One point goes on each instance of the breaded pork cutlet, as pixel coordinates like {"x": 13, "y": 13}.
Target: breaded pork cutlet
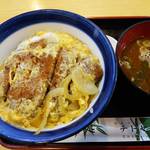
{"x": 29, "y": 82}
{"x": 4, "y": 82}
{"x": 65, "y": 61}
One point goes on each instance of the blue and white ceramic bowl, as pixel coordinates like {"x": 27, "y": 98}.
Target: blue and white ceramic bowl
{"x": 15, "y": 30}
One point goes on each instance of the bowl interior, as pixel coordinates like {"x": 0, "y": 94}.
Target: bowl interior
{"x": 11, "y": 42}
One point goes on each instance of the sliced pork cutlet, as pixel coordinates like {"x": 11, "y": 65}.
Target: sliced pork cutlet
{"x": 4, "y": 82}
{"x": 90, "y": 66}
{"x": 30, "y": 81}
{"x": 65, "y": 61}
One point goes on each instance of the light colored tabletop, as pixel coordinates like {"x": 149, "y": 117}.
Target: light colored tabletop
{"x": 3, "y": 148}
{"x": 87, "y": 8}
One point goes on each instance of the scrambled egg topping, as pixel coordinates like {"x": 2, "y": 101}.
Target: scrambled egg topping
{"x": 47, "y": 81}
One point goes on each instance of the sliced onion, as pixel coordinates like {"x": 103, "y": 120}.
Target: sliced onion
{"x": 83, "y": 82}
{"x": 65, "y": 84}
{"x": 48, "y": 106}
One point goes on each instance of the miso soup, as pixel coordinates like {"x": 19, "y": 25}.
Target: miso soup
{"x": 135, "y": 63}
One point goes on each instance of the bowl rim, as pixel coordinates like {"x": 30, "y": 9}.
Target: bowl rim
{"x": 117, "y": 56}
{"x": 105, "y": 94}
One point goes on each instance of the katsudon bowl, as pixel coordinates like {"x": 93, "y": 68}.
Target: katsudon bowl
{"x": 23, "y": 26}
